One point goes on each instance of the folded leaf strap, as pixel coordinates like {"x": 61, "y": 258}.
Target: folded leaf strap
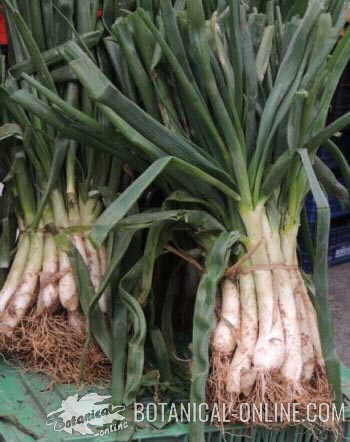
{"x": 50, "y": 228}
{"x": 215, "y": 265}
{"x": 136, "y": 317}
{"x": 268, "y": 267}
{"x": 238, "y": 269}
{"x": 184, "y": 256}
{"x": 234, "y": 271}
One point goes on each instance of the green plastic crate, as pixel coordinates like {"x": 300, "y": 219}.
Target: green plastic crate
{"x": 24, "y": 399}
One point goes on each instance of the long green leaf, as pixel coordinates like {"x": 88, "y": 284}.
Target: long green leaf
{"x": 216, "y": 263}
{"x": 341, "y": 161}
{"x": 103, "y": 91}
{"x": 193, "y": 99}
{"x": 277, "y": 173}
{"x": 162, "y": 355}
{"x": 286, "y": 84}
{"x": 116, "y": 145}
{"x": 330, "y": 183}
{"x": 52, "y": 56}
{"x": 97, "y": 326}
{"x": 335, "y": 67}
{"x": 236, "y": 51}
{"x": 140, "y": 76}
{"x": 32, "y": 46}
{"x": 320, "y": 277}
{"x": 181, "y": 366}
{"x": 119, "y": 320}
{"x": 37, "y": 24}
{"x": 135, "y": 361}
{"x": 116, "y": 211}
{"x": 264, "y": 53}
{"x": 199, "y": 219}
{"x": 320, "y": 138}
{"x": 175, "y": 42}
{"x": 60, "y": 152}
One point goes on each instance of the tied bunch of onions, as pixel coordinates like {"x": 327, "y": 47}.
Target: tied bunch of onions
{"x": 55, "y": 183}
{"x": 267, "y": 324}
{"x": 41, "y": 274}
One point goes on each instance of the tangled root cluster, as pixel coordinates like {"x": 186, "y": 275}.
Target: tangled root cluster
{"x": 272, "y": 395}
{"x": 48, "y": 345}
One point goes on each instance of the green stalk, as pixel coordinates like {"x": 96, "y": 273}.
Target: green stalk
{"x": 24, "y": 188}
{"x": 31, "y": 45}
{"x": 59, "y": 209}
{"x": 70, "y": 172}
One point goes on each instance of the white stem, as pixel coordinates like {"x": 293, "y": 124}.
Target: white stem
{"x": 104, "y": 301}
{"x": 227, "y": 330}
{"x": 48, "y": 296}
{"x": 309, "y": 328}
{"x": 75, "y": 220}
{"x": 270, "y": 348}
{"x": 79, "y": 243}
{"x": 313, "y": 323}
{"x": 308, "y": 353}
{"x": 66, "y": 287}
{"x": 93, "y": 264}
{"x": 14, "y": 277}
{"x": 242, "y": 375}
{"x": 26, "y": 293}
{"x": 293, "y": 364}
{"x": 87, "y": 210}
{"x": 59, "y": 209}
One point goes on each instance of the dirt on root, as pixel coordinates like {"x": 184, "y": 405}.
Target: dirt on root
{"x": 49, "y": 345}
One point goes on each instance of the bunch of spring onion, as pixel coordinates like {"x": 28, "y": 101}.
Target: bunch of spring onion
{"x": 69, "y": 189}
{"x": 56, "y": 183}
{"x": 236, "y": 109}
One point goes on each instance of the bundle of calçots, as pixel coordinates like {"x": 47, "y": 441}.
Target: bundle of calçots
{"x": 60, "y": 171}
{"x": 235, "y": 110}
{"x": 58, "y": 185}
